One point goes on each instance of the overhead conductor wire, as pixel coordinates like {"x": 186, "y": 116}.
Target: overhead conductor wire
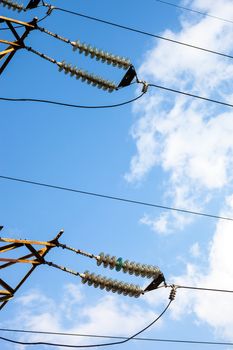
{"x": 162, "y": 340}
{"x": 65, "y": 104}
{"x": 120, "y": 199}
{"x": 206, "y": 14}
{"x": 141, "y": 32}
{"x": 92, "y": 345}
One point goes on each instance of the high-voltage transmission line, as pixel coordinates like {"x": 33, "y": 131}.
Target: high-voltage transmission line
{"x": 37, "y": 257}
{"x": 73, "y": 71}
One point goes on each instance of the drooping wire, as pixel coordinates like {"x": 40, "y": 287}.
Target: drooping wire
{"x": 64, "y": 104}
{"x": 143, "y": 32}
{"x": 92, "y": 345}
{"x": 163, "y": 340}
{"x": 195, "y": 11}
{"x": 120, "y": 199}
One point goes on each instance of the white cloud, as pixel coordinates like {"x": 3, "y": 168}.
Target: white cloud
{"x": 195, "y": 250}
{"x": 212, "y": 308}
{"x": 160, "y": 225}
{"x": 190, "y": 140}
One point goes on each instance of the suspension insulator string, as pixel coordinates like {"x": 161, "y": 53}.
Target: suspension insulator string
{"x": 109, "y": 284}
{"x": 78, "y": 73}
{"x": 12, "y": 5}
{"x": 127, "y": 266}
{"x": 92, "y": 52}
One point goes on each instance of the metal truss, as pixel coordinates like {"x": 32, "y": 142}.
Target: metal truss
{"x": 17, "y": 44}
{"x": 34, "y": 258}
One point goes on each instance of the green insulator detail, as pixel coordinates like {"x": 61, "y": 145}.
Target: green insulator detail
{"x": 119, "y": 264}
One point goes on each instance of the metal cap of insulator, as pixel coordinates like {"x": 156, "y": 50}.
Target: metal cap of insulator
{"x": 109, "y": 284}
{"x": 12, "y": 5}
{"x": 104, "y": 56}
{"x": 86, "y": 77}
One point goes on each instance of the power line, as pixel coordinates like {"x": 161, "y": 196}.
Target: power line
{"x": 195, "y": 11}
{"x": 182, "y": 341}
{"x": 125, "y": 340}
{"x": 191, "y": 95}
{"x": 206, "y": 289}
{"x": 120, "y": 199}
{"x": 143, "y": 32}
{"x": 64, "y": 104}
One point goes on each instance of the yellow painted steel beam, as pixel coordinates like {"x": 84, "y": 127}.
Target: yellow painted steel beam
{"x": 12, "y": 20}
{"x": 27, "y": 241}
{"x": 8, "y": 247}
{"x": 41, "y": 252}
{"x": 24, "y": 261}
{"x": 5, "y": 299}
{"x": 5, "y": 292}
{"x": 5, "y": 52}
{"x": 12, "y": 43}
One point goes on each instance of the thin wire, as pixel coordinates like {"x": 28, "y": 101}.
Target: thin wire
{"x": 91, "y": 345}
{"x": 64, "y": 104}
{"x": 206, "y": 289}
{"x": 121, "y": 199}
{"x": 195, "y": 11}
{"x": 192, "y": 95}
{"x": 143, "y": 32}
{"x": 182, "y": 341}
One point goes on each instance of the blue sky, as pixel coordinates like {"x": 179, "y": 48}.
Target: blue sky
{"x": 164, "y": 149}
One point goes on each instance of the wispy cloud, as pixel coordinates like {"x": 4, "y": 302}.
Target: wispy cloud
{"x": 191, "y": 141}
{"x": 215, "y": 309}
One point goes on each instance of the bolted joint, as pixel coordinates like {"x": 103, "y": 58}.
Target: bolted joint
{"x": 50, "y": 9}
{"x": 173, "y": 292}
